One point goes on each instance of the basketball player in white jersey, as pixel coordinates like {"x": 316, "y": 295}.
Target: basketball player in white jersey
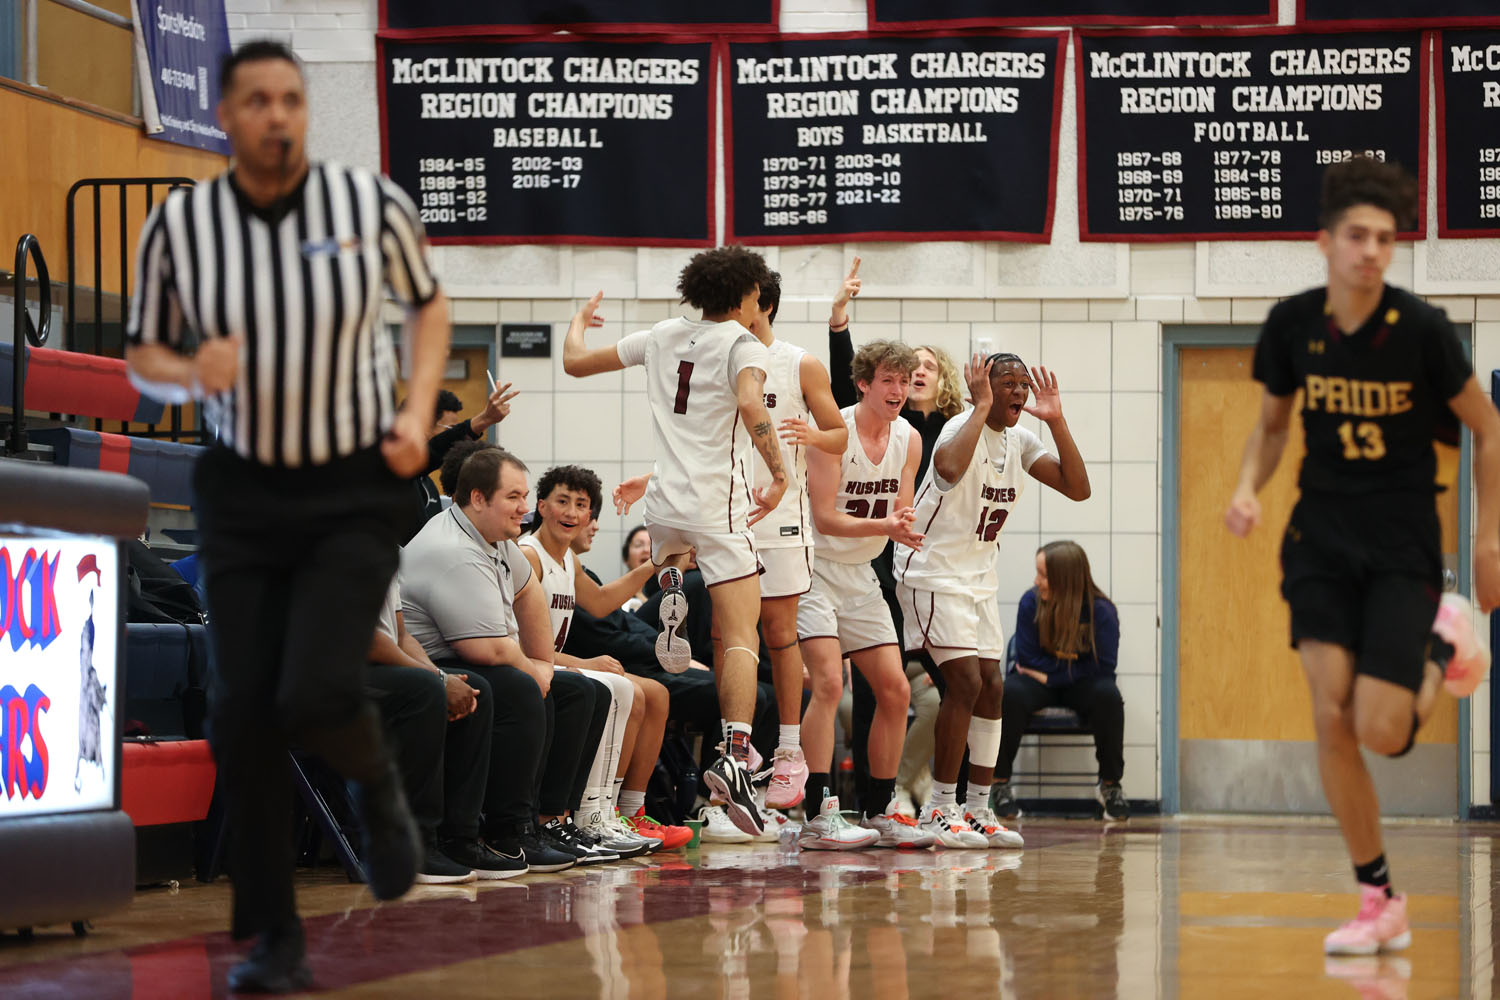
{"x": 947, "y": 588}
{"x": 566, "y": 498}
{"x": 859, "y": 499}
{"x": 705, "y": 381}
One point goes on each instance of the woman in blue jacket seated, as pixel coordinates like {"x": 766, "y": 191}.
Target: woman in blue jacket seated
{"x": 1067, "y": 643}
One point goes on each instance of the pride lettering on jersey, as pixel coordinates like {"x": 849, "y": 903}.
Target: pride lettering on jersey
{"x": 1336, "y": 394}
{"x": 855, "y": 487}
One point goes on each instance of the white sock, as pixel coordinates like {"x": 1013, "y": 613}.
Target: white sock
{"x": 984, "y": 742}
{"x": 614, "y": 791}
{"x": 944, "y": 795}
{"x": 790, "y": 738}
{"x": 979, "y": 797}
{"x": 631, "y": 802}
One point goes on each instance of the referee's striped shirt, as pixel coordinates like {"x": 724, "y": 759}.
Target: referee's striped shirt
{"x": 303, "y": 289}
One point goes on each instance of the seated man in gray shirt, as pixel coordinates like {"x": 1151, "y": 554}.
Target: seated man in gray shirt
{"x": 468, "y": 599}
{"x": 440, "y": 724}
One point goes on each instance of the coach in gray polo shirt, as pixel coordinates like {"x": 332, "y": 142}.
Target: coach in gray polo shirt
{"x": 468, "y": 597}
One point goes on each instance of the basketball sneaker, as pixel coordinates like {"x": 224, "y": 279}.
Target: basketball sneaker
{"x": 671, "y": 837}
{"x": 672, "y": 650}
{"x": 995, "y": 833}
{"x": 897, "y": 829}
{"x": 1112, "y": 801}
{"x": 949, "y": 829}
{"x": 718, "y": 830}
{"x": 1457, "y": 648}
{"x": 788, "y": 778}
{"x": 1380, "y": 925}
{"x": 830, "y": 831}
{"x": 597, "y": 830}
{"x": 776, "y": 821}
{"x": 731, "y": 780}
{"x": 1003, "y": 801}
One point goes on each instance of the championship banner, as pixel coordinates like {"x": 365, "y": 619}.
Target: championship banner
{"x": 859, "y": 137}
{"x": 180, "y": 45}
{"x": 915, "y": 15}
{"x": 554, "y": 139}
{"x": 1223, "y": 135}
{"x": 59, "y": 636}
{"x": 431, "y": 18}
{"x": 1397, "y": 13}
{"x": 1468, "y": 108}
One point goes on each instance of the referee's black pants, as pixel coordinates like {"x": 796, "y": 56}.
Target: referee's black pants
{"x": 296, "y": 566}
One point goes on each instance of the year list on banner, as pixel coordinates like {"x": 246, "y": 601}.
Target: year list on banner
{"x": 1225, "y": 135}
{"x": 834, "y": 137}
{"x": 552, "y": 140}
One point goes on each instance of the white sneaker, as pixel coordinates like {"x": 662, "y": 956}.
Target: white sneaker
{"x": 897, "y": 829}
{"x": 950, "y": 829}
{"x": 776, "y": 821}
{"x": 614, "y": 834}
{"x": 672, "y": 650}
{"x": 717, "y": 829}
{"x": 995, "y": 833}
{"x": 903, "y": 803}
{"x": 830, "y": 831}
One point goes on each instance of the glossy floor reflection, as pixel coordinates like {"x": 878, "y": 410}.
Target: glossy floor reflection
{"x": 1220, "y": 908}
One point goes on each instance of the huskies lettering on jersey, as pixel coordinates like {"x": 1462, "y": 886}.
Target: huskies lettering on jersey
{"x": 857, "y": 488}
{"x": 998, "y": 494}
{"x": 770, "y": 398}
{"x": 562, "y": 602}
{"x": 1336, "y": 394}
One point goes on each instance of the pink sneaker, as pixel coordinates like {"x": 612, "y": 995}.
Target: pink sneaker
{"x": 788, "y": 778}
{"x": 1471, "y": 657}
{"x": 1380, "y": 925}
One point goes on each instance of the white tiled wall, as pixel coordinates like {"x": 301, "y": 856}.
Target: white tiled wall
{"x": 1094, "y": 311}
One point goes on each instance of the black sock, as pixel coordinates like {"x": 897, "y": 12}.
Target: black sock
{"x": 817, "y": 788}
{"x": 1375, "y": 873}
{"x": 878, "y": 796}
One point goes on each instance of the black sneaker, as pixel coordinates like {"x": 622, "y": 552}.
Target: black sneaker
{"x": 392, "y": 845}
{"x": 277, "y": 963}
{"x": 730, "y": 780}
{"x": 1112, "y": 799}
{"x": 486, "y": 862}
{"x": 1003, "y": 801}
{"x": 559, "y": 835}
{"x": 540, "y": 855}
{"x": 439, "y": 869}
{"x": 672, "y": 651}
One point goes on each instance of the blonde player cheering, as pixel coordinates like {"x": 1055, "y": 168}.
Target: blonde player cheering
{"x": 705, "y": 385}
{"x": 859, "y": 499}
{"x": 947, "y": 587}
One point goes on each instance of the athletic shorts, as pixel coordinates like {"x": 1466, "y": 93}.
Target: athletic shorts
{"x": 1365, "y": 573}
{"x": 721, "y": 557}
{"x": 949, "y": 626}
{"x": 845, "y": 603}
{"x": 785, "y": 572}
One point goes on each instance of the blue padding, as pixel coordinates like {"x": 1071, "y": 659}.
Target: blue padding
{"x": 148, "y": 411}
{"x": 187, "y": 568}
{"x": 7, "y": 373}
{"x": 62, "y": 440}
{"x": 167, "y": 467}
{"x": 162, "y": 664}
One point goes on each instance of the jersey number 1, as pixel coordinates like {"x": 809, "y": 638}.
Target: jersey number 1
{"x": 684, "y": 373}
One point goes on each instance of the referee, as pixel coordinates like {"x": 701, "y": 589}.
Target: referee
{"x": 274, "y": 270}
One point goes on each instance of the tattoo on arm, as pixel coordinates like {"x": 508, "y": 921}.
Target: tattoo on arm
{"x": 770, "y": 450}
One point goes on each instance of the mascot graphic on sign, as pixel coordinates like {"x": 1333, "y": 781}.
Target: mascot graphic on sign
{"x": 91, "y": 697}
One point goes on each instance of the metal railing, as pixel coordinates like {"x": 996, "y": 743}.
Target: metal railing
{"x": 26, "y": 330}
{"x": 124, "y": 248}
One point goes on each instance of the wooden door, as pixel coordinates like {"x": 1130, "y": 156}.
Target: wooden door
{"x": 1245, "y": 717}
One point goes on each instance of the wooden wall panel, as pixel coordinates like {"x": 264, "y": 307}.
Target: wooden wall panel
{"x": 1238, "y": 677}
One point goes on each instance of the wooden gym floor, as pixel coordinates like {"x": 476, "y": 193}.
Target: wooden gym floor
{"x": 1219, "y": 908}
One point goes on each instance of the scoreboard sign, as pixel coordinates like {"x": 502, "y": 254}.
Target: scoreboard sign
{"x": 1468, "y": 102}
{"x": 858, "y": 137}
{"x": 418, "y": 18}
{"x": 904, "y": 15}
{"x": 1225, "y": 135}
{"x": 1397, "y": 13}
{"x": 552, "y": 140}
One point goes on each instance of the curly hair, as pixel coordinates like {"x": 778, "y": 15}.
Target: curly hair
{"x": 869, "y": 358}
{"x": 950, "y": 389}
{"x": 1364, "y": 180}
{"x": 717, "y": 281}
{"x": 770, "y": 294}
{"x": 571, "y": 477}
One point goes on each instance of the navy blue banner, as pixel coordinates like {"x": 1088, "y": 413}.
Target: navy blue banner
{"x": 185, "y": 41}
{"x": 431, "y": 18}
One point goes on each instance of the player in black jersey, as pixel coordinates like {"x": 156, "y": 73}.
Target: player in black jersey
{"x": 1381, "y": 374}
